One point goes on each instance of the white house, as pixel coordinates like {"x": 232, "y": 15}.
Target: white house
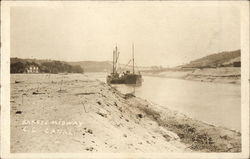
{"x": 32, "y": 69}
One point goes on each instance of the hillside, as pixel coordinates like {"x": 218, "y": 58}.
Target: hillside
{"x": 87, "y": 66}
{"x": 106, "y": 66}
{"x": 224, "y": 67}
{"x": 222, "y": 59}
{"x": 94, "y": 66}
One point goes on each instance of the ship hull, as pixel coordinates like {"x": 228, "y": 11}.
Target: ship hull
{"x": 133, "y": 79}
{"x": 126, "y": 79}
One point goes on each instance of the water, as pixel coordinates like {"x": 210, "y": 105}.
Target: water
{"x": 214, "y": 103}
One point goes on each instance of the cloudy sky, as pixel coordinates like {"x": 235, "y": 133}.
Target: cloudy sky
{"x": 163, "y": 33}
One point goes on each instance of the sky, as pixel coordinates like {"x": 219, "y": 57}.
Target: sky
{"x": 163, "y": 33}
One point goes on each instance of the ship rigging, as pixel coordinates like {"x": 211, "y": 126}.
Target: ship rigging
{"x": 127, "y": 77}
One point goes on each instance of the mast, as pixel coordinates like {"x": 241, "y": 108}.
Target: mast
{"x": 133, "y": 58}
{"x": 115, "y": 58}
{"x": 113, "y": 62}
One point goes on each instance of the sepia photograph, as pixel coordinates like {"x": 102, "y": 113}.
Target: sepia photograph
{"x": 125, "y": 77}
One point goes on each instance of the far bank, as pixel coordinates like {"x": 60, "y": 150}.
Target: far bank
{"x": 217, "y": 75}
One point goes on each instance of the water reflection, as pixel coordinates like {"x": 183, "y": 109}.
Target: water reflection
{"x": 127, "y": 88}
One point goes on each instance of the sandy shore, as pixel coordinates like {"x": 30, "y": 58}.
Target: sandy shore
{"x": 75, "y": 113}
{"x": 217, "y": 75}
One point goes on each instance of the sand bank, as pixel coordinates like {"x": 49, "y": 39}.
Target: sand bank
{"x": 74, "y": 113}
{"x": 217, "y": 75}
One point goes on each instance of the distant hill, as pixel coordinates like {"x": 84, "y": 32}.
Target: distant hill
{"x": 87, "y": 66}
{"x": 223, "y": 59}
{"x": 94, "y": 66}
{"x": 105, "y": 66}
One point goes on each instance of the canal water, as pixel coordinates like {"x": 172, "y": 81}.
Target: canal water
{"x": 215, "y": 103}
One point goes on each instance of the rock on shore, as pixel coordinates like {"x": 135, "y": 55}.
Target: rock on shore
{"x": 76, "y": 113}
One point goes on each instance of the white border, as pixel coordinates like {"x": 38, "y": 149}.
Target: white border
{"x": 5, "y": 84}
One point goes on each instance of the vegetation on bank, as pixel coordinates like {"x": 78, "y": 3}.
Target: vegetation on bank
{"x": 222, "y": 59}
{"x": 199, "y": 136}
{"x": 21, "y": 65}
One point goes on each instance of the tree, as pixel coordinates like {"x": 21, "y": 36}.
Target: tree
{"x": 17, "y": 67}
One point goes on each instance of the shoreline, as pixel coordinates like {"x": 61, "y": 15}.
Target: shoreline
{"x": 105, "y": 120}
{"x": 194, "y": 80}
{"x": 228, "y": 75}
{"x": 198, "y": 134}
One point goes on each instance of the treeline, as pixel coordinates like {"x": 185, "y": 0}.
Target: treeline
{"x": 21, "y": 66}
